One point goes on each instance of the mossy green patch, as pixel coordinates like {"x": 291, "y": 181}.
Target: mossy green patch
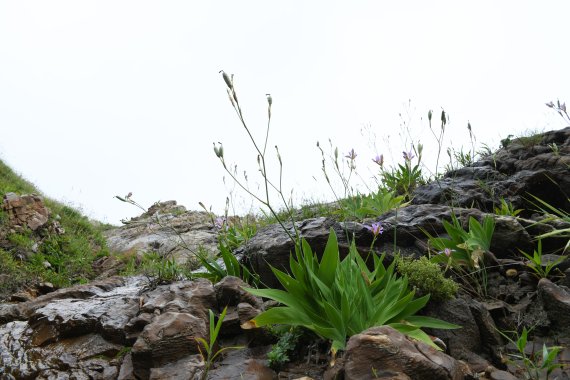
{"x": 427, "y": 278}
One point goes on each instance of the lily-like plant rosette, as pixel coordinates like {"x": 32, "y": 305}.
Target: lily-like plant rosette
{"x": 337, "y": 299}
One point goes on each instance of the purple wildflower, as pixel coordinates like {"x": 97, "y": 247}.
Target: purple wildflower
{"x": 379, "y": 160}
{"x": 351, "y": 155}
{"x": 220, "y": 222}
{"x": 408, "y": 156}
{"x": 447, "y": 252}
{"x": 375, "y": 228}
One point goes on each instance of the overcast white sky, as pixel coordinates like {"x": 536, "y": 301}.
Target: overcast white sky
{"x": 100, "y": 98}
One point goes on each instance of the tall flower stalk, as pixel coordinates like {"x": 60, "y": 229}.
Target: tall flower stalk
{"x": 261, "y": 161}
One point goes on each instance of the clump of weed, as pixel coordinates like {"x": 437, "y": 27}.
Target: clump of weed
{"x": 285, "y": 346}
{"x": 160, "y": 270}
{"x": 507, "y": 208}
{"x": 428, "y": 278}
{"x": 13, "y": 275}
{"x": 530, "y": 138}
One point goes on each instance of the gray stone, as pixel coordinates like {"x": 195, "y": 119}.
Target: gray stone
{"x": 168, "y": 338}
{"x": 556, "y": 301}
{"x": 167, "y": 229}
{"x": 382, "y": 352}
{"x": 27, "y": 210}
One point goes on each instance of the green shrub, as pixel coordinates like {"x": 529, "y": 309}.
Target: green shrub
{"x": 427, "y": 278}
{"x": 404, "y": 179}
{"x": 535, "y": 263}
{"x": 215, "y": 271}
{"x": 337, "y": 299}
{"x": 160, "y": 270}
{"x": 464, "y": 251}
{"x": 370, "y": 206}
{"x": 463, "y": 248}
{"x": 507, "y": 209}
{"x": 280, "y": 351}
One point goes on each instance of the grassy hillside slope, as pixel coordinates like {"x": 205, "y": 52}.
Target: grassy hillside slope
{"x": 29, "y": 257}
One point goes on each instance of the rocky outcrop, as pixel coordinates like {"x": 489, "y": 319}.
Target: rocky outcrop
{"x": 556, "y": 303}
{"x": 25, "y": 211}
{"x": 118, "y": 328}
{"x": 406, "y": 226}
{"x": 167, "y": 229}
{"x": 515, "y": 172}
{"x": 84, "y": 330}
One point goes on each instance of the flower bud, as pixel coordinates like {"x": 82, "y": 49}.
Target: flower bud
{"x": 219, "y": 150}
{"x": 278, "y": 155}
{"x": 227, "y": 79}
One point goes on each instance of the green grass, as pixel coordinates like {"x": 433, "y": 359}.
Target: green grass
{"x": 64, "y": 259}
{"x": 12, "y": 182}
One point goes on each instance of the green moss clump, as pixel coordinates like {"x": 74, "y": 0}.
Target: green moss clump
{"x": 427, "y": 277}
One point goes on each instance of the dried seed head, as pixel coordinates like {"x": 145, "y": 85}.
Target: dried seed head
{"x": 278, "y": 155}
{"x": 269, "y": 99}
{"x": 227, "y": 79}
{"x": 219, "y": 150}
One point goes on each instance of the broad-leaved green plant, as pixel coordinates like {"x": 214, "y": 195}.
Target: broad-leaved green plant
{"x": 337, "y": 299}
{"x": 536, "y": 365}
{"x": 465, "y": 248}
{"x": 464, "y": 251}
{"x": 535, "y": 262}
{"x": 370, "y": 206}
{"x": 209, "y": 355}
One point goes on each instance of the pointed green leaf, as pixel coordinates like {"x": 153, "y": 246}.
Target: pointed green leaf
{"x": 329, "y": 260}
{"x": 434, "y": 323}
